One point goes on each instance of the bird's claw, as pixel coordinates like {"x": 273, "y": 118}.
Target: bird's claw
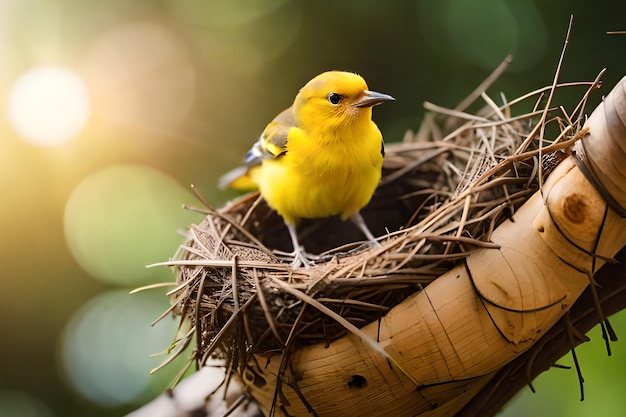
{"x": 374, "y": 244}
{"x": 303, "y": 259}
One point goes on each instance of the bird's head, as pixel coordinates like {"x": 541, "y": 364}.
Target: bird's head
{"x": 336, "y": 99}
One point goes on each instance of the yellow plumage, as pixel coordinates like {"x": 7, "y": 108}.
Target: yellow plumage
{"x": 321, "y": 157}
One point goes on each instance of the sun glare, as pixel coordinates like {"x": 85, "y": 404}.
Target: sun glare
{"x": 48, "y": 106}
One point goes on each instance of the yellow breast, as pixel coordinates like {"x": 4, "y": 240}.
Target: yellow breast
{"x": 321, "y": 178}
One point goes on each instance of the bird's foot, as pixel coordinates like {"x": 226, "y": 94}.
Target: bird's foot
{"x": 303, "y": 259}
{"x": 366, "y": 244}
{"x": 374, "y": 244}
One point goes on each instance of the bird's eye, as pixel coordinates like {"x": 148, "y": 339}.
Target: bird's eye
{"x": 334, "y": 98}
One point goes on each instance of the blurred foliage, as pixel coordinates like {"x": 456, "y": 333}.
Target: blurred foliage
{"x": 183, "y": 87}
{"x": 557, "y": 392}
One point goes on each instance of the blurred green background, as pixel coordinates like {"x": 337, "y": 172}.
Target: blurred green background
{"x": 112, "y": 109}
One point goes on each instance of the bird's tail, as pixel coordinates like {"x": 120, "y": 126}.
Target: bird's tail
{"x": 239, "y": 179}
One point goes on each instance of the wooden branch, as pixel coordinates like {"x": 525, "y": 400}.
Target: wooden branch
{"x": 554, "y": 344}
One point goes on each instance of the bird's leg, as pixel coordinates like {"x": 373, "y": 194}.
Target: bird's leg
{"x": 358, "y": 220}
{"x": 300, "y": 257}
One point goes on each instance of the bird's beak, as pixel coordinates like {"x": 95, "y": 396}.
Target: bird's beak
{"x": 371, "y": 99}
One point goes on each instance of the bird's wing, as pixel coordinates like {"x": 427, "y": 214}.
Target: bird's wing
{"x": 271, "y": 144}
{"x": 273, "y": 141}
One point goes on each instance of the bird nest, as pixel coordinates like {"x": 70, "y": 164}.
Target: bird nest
{"x": 444, "y": 190}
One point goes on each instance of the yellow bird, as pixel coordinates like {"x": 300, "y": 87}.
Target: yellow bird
{"x": 321, "y": 157}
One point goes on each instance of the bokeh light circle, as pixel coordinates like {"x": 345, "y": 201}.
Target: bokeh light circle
{"x": 484, "y": 33}
{"x": 141, "y": 74}
{"x": 48, "y": 106}
{"x": 106, "y": 347}
{"x": 124, "y": 217}
{"x": 234, "y": 38}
